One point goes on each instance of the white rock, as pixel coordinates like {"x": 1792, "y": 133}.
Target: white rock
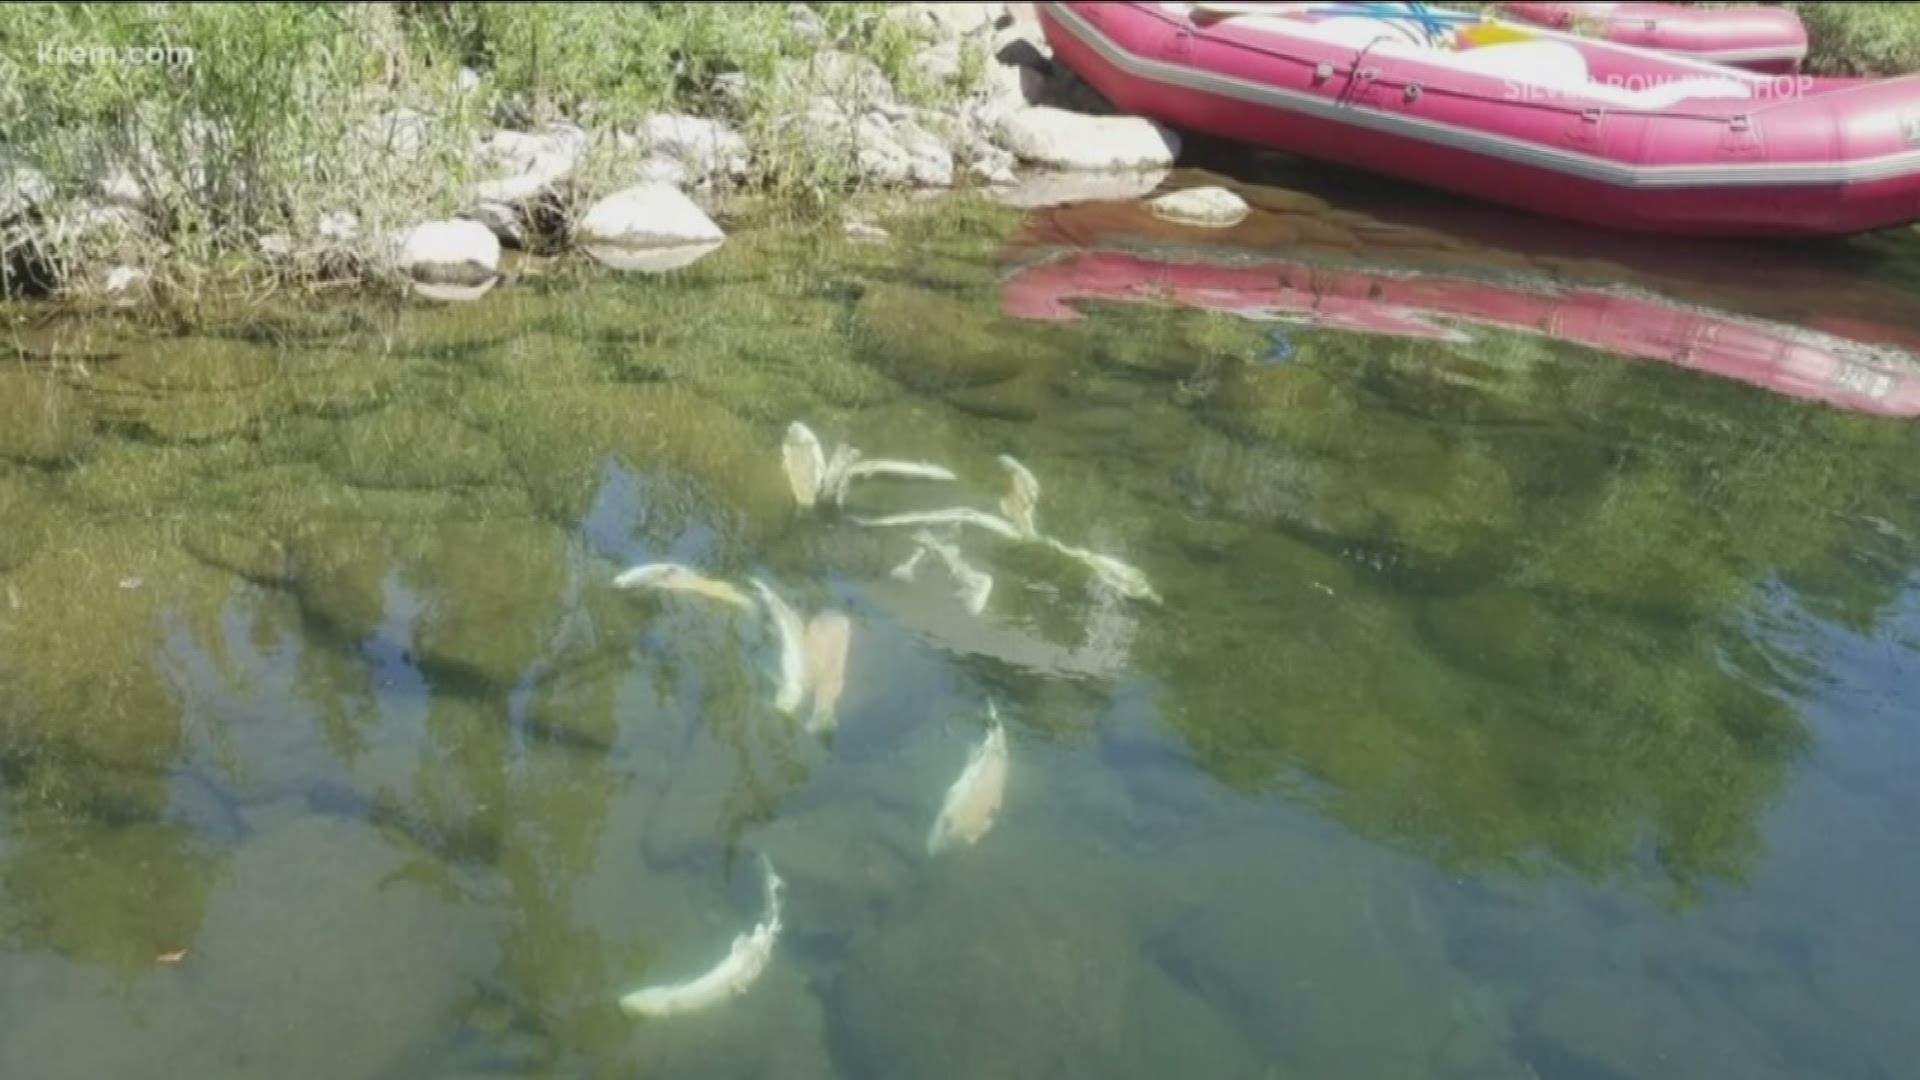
{"x": 124, "y": 279}
{"x": 950, "y": 20}
{"x": 880, "y": 157}
{"x": 467, "y": 80}
{"x": 647, "y": 216}
{"x": 940, "y": 61}
{"x": 805, "y": 23}
{"x": 534, "y": 162}
{"x": 824, "y": 117}
{"x": 119, "y": 187}
{"x": 501, "y": 219}
{"x": 731, "y": 86}
{"x": 993, "y": 165}
{"x": 662, "y": 170}
{"x": 448, "y": 259}
{"x": 864, "y": 231}
{"x": 654, "y": 260}
{"x": 705, "y": 147}
{"x": 929, "y": 162}
{"x": 854, "y": 83}
{"x": 1058, "y": 139}
{"x": 21, "y": 189}
{"x": 400, "y": 133}
{"x": 338, "y": 226}
{"x": 1209, "y": 207}
{"x": 93, "y": 222}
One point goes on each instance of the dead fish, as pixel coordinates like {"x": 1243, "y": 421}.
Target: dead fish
{"x": 805, "y": 463}
{"x": 974, "y": 799}
{"x": 905, "y": 470}
{"x": 1126, "y": 580}
{"x": 963, "y": 515}
{"x": 814, "y": 475}
{"x": 793, "y": 681}
{"x": 829, "y": 638}
{"x": 676, "y": 578}
{"x": 834, "y": 482}
{"x": 908, "y": 570}
{"x": 975, "y": 586}
{"x": 1023, "y": 499}
{"x": 743, "y": 965}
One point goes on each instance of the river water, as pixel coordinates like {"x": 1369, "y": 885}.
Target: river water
{"x": 1527, "y": 689}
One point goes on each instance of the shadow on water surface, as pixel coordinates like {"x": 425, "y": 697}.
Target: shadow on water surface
{"x": 310, "y": 661}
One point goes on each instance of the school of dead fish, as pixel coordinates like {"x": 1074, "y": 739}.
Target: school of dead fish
{"x": 814, "y": 654}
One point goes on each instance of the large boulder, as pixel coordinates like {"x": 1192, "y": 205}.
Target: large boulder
{"x": 902, "y": 153}
{"x": 853, "y": 83}
{"x": 529, "y": 163}
{"x": 649, "y": 226}
{"x": 1058, "y": 139}
{"x": 703, "y": 148}
{"x": 450, "y": 260}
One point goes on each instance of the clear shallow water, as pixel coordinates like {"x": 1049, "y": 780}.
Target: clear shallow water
{"x": 1513, "y": 709}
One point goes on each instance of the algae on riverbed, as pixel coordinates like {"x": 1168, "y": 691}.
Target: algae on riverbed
{"x": 1491, "y": 603}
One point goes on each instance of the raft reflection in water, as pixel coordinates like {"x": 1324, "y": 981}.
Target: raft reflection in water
{"x": 1870, "y": 378}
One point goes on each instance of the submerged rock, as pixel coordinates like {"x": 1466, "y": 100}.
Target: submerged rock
{"x": 890, "y": 333}
{"x": 1209, "y": 207}
{"x": 314, "y": 946}
{"x": 1306, "y": 950}
{"x": 1058, "y": 139}
{"x": 1014, "y": 978}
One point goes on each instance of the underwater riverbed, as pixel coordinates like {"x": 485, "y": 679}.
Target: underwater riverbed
{"x": 1526, "y": 690}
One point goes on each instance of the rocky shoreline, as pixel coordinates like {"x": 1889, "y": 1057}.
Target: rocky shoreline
{"x": 641, "y": 196}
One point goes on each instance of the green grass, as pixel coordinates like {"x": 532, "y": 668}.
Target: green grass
{"x": 277, "y": 117}
{"x": 1845, "y": 38}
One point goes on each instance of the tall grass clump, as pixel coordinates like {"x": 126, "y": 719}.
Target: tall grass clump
{"x": 1862, "y": 38}
{"x": 267, "y": 119}
{"x": 276, "y": 115}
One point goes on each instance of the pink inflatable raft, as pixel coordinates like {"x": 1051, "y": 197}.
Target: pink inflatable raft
{"x": 1876, "y": 379}
{"x": 1771, "y": 39}
{"x": 1561, "y": 125}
